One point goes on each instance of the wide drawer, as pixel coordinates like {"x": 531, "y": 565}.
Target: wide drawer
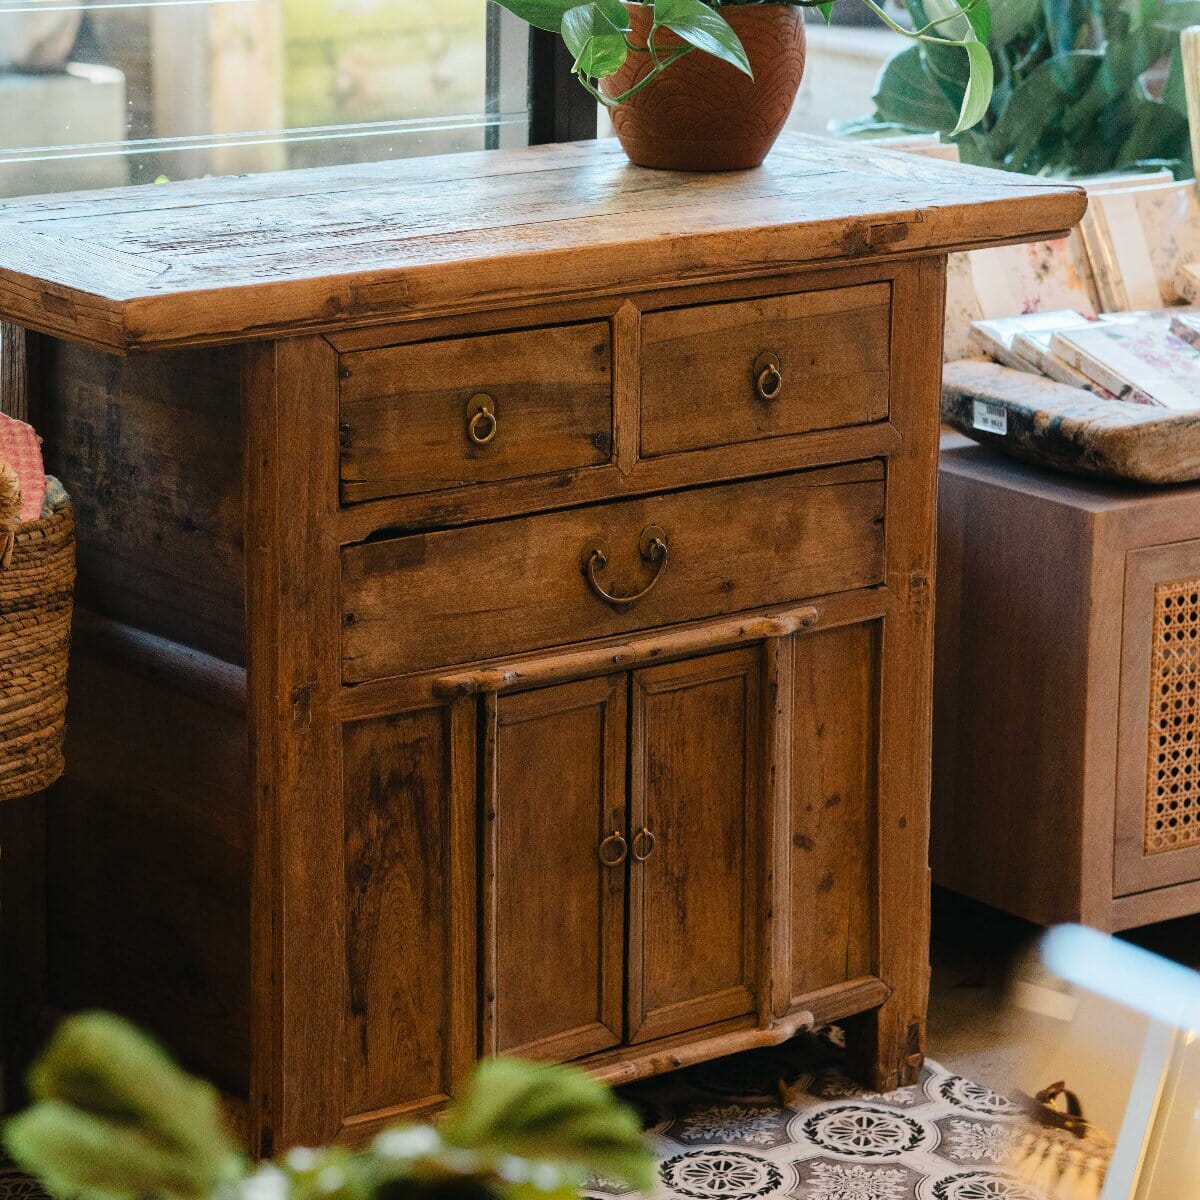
{"x": 460, "y": 595}
{"x": 718, "y": 374}
{"x": 434, "y": 415}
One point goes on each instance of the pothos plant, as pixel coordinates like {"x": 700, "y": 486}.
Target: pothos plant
{"x": 1082, "y": 87}
{"x": 597, "y": 33}
{"x": 113, "y": 1118}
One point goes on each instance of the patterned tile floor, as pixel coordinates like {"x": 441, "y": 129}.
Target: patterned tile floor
{"x": 789, "y": 1124}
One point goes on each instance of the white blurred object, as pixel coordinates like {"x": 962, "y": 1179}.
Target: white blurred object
{"x": 1143, "y": 1056}
{"x": 840, "y": 73}
{"x": 39, "y": 39}
{"x": 62, "y": 131}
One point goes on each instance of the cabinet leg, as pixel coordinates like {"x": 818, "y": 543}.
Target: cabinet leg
{"x": 884, "y": 1052}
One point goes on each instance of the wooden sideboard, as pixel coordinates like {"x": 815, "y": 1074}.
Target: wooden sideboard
{"x": 507, "y": 589}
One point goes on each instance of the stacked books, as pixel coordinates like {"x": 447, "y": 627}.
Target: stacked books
{"x": 1149, "y": 357}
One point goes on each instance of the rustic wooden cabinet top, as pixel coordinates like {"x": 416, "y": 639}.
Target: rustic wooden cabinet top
{"x": 224, "y": 260}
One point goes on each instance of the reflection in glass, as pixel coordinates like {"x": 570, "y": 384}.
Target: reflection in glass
{"x": 109, "y": 93}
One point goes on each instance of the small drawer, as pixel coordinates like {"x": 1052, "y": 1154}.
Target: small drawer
{"x": 461, "y": 595}
{"x": 737, "y": 372}
{"x": 436, "y": 415}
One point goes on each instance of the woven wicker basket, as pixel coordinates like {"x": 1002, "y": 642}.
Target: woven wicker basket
{"x": 37, "y": 580}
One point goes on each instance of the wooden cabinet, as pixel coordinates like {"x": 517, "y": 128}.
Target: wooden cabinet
{"x": 535, "y": 585}
{"x": 1067, "y": 752}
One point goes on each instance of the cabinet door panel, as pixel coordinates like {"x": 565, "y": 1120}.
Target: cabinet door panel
{"x": 557, "y": 920}
{"x": 695, "y": 786}
{"x": 835, "y": 703}
{"x": 409, "y": 798}
{"x": 1158, "y": 764}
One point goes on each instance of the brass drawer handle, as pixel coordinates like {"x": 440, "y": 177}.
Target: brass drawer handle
{"x": 768, "y": 375}
{"x": 482, "y": 425}
{"x": 652, "y": 546}
{"x": 644, "y": 842}
{"x": 614, "y": 841}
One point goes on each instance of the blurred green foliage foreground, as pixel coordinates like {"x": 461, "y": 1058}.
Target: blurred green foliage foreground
{"x": 113, "y": 1118}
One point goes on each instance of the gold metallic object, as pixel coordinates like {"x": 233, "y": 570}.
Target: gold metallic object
{"x": 644, "y": 842}
{"x": 652, "y": 546}
{"x": 616, "y": 842}
{"x": 482, "y": 425}
{"x": 768, "y": 375}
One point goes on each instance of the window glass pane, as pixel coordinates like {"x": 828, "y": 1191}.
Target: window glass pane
{"x": 103, "y": 93}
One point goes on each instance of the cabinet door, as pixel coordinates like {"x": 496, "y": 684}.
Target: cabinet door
{"x": 1158, "y": 763}
{"x": 554, "y": 913}
{"x": 410, "y": 851}
{"x": 833, "y": 810}
{"x": 694, "y": 824}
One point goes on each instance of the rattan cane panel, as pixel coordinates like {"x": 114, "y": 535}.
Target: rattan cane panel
{"x": 1173, "y": 772}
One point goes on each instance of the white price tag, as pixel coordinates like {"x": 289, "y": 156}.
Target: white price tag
{"x": 991, "y": 418}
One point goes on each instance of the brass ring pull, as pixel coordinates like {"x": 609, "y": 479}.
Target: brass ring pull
{"x": 482, "y": 425}
{"x": 768, "y": 373}
{"x": 652, "y": 546}
{"x": 617, "y": 842}
{"x": 644, "y": 842}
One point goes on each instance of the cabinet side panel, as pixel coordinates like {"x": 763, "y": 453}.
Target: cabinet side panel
{"x": 398, "y": 893}
{"x": 148, "y": 866}
{"x": 1010, "y": 727}
{"x": 834, "y": 756}
{"x": 149, "y": 448}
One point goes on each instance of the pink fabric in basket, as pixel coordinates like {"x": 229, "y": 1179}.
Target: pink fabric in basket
{"x": 21, "y": 448}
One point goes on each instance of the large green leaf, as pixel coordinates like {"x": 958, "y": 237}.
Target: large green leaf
{"x": 544, "y": 14}
{"x": 598, "y": 45}
{"x": 979, "y": 87}
{"x": 908, "y": 95}
{"x": 704, "y": 28}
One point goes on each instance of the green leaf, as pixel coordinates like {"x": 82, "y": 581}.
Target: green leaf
{"x": 826, "y": 10}
{"x": 704, "y": 28}
{"x": 908, "y": 95}
{"x": 599, "y": 47}
{"x": 978, "y": 95}
{"x": 616, "y": 13}
{"x": 980, "y": 16}
{"x": 1013, "y": 18}
{"x": 542, "y": 14}
{"x": 107, "y": 1098}
{"x": 551, "y": 1114}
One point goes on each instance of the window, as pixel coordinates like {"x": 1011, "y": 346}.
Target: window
{"x": 101, "y": 93}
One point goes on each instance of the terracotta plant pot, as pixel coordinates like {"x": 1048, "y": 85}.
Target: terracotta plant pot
{"x": 702, "y": 114}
